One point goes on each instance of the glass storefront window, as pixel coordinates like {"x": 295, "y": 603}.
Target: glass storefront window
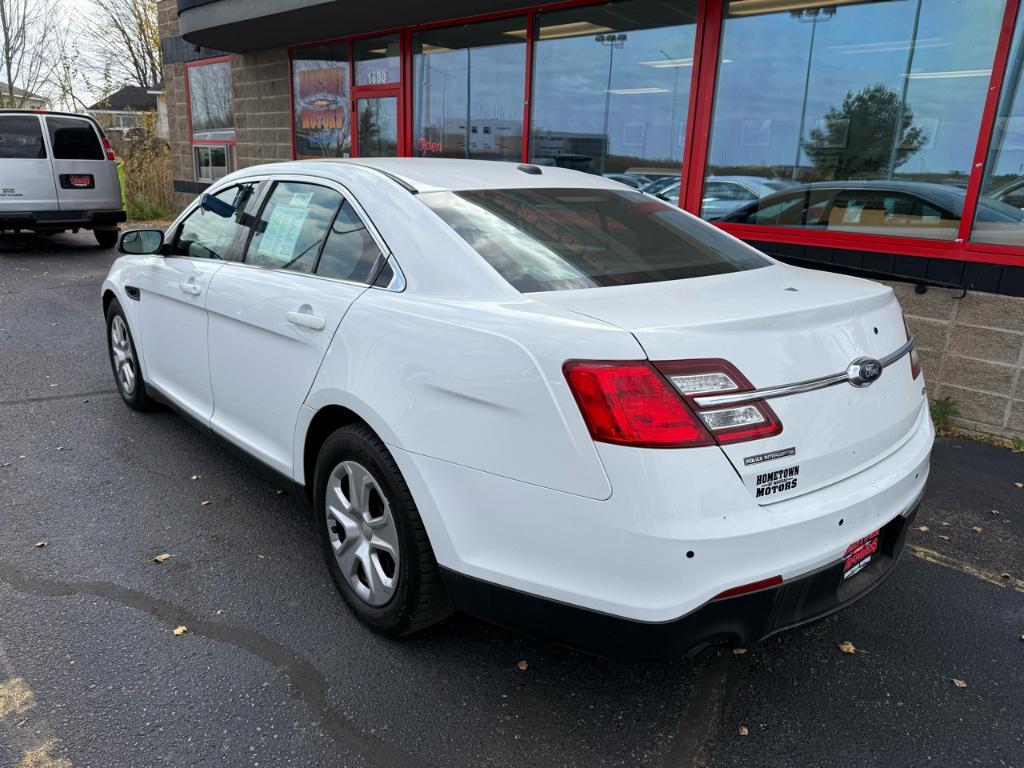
{"x": 468, "y": 84}
{"x": 867, "y": 112}
{"x": 1002, "y": 186}
{"x": 377, "y": 130}
{"x": 611, "y": 86}
{"x": 377, "y": 60}
{"x": 210, "y": 102}
{"x": 320, "y": 78}
{"x": 211, "y": 161}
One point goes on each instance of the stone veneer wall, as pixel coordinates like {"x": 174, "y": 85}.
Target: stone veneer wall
{"x": 972, "y": 350}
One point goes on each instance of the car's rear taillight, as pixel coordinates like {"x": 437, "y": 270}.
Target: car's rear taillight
{"x": 653, "y": 404}
{"x": 915, "y": 361}
{"x": 108, "y": 149}
{"x": 749, "y": 420}
{"x": 630, "y": 403}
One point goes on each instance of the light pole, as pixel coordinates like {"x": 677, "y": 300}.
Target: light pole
{"x": 675, "y": 93}
{"x": 611, "y": 42}
{"x": 897, "y": 131}
{"x": 813, "y": 15}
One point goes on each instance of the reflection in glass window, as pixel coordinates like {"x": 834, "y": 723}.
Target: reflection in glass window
{"x": 1003, "y": 182}
{"x": 205, "y": 235}
{"x": 350, "y": 253}
{"x": 377, "y": 131}
{"x": 886, "y": 91}
{"x": 291, "y": 227}
{"x": 562, "y": 239}
{"x": 377, "y": 60}
{"x": 468, "y": 90}
{"x": 211, "y": 162}
{"x": 611, "y": 86}
{"x": 210, "y": 102}
{"x": 320, "y": 77}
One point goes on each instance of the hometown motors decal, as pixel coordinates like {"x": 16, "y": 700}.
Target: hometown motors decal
{"x": 779, "y": 481}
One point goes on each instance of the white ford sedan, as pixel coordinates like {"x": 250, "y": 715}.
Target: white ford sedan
{"x": 535, "y": 395}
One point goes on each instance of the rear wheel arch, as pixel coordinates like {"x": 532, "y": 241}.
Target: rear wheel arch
{"x": 326, "y": 421}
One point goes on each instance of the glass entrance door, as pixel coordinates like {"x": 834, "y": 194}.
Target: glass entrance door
{"x": 376, "y": 129}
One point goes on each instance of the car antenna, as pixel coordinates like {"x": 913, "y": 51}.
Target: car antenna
{"x": 533, "y": 170}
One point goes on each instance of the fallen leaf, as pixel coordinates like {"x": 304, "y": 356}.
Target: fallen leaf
{"x": 1005, "y": 575}
{"x": 1019, "y": 485}
{"x": 923, "y": 528}
{"x": 945, "y": 525}
{"x": 744, "y": 731}
{"x": 523, "y": 665}
{"x": 197, "y": 477}
{"x": 204, "y": 503}
{"x": 995, "y": 511}
{"x": 179, "y": 631}
{"x": 959, "y": 683}
{"x": 944, "y": 538}
{"x": 162, "y": 557}
{"x": 847, "y": 647}
{"x": 41, "y": 544}
{"x": 739, "y": 651}
{"x": 976, "y": 529}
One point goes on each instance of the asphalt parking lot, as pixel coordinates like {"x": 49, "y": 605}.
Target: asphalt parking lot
{"x": 273, "y": 670}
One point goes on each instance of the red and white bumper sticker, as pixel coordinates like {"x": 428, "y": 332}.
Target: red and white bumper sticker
{"x": 859, "y": 554}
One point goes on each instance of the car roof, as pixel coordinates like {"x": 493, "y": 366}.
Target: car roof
{"x": 430, "y": 174}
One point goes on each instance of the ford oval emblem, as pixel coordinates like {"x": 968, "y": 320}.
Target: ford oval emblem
{"x": 864, "y": 371}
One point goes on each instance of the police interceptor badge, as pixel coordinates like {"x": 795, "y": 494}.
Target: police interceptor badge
{"x": 761, "y": 458}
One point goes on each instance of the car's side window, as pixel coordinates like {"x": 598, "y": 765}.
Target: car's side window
{"x": 350, "y": 252}
{"x": 292, "y": 226}
{"x": 206, "y": 235}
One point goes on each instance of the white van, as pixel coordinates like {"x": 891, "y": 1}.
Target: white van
{"x": 57, "y": 172}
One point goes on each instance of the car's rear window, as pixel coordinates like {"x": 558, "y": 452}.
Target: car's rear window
{"x": 74, "y": 139}
{"x": 560, "y": 239}
{"x": 21, "y": 138}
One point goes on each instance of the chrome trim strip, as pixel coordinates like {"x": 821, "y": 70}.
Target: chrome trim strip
{"x": 785, "y": 390}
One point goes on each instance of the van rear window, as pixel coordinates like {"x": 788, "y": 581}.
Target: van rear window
{"x": 74, "y": 139}
{"x": 21, "y": 138}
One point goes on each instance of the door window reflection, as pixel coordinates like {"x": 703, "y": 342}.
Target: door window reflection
{"x": 377, "y": 130}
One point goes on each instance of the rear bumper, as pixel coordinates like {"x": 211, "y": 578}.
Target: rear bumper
{"x": 738, "y": 621}
{"x": 61, "y": 219}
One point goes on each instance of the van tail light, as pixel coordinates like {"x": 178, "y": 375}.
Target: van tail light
{"x": 108, "y": 149}
{"x": 915, "y": 360}
{"x": 652, "y": 405}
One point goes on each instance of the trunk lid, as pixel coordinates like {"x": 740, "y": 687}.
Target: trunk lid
{"x": 780, "y": 325}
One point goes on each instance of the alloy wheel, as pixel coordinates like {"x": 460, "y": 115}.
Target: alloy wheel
{"x": 362, "y": 533}
{"x": 124, "y": 360}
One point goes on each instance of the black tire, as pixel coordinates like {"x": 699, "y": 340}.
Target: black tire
{"x": 419, "y": 597}
{"x": 107, "y": 238}
{"x": 137, "y": 398}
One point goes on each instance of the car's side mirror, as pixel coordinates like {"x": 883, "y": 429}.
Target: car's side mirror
{"x": 141, "y": 242}
{"x": 216, "y": 206}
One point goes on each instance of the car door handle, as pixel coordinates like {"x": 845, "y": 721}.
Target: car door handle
{"x": 191, "y": 288}
{"x": 306, "y": 320}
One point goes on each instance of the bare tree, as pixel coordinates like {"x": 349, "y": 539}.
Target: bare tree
{"x": 126, "y": 40}
{"x": 26, "y": 51}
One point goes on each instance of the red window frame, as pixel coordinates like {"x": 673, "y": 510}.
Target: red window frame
{"x": 703, "y": 83}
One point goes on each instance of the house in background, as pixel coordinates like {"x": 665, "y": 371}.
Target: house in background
{"x": 126, "y": 109}
{"x": 22, "y": 99}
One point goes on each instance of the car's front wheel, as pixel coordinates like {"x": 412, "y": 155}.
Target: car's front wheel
{"x": 124, "y": 360}
{"x": 374, "y": 541}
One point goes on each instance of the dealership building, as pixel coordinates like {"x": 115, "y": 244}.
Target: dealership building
{"x": 881, "y": 138}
